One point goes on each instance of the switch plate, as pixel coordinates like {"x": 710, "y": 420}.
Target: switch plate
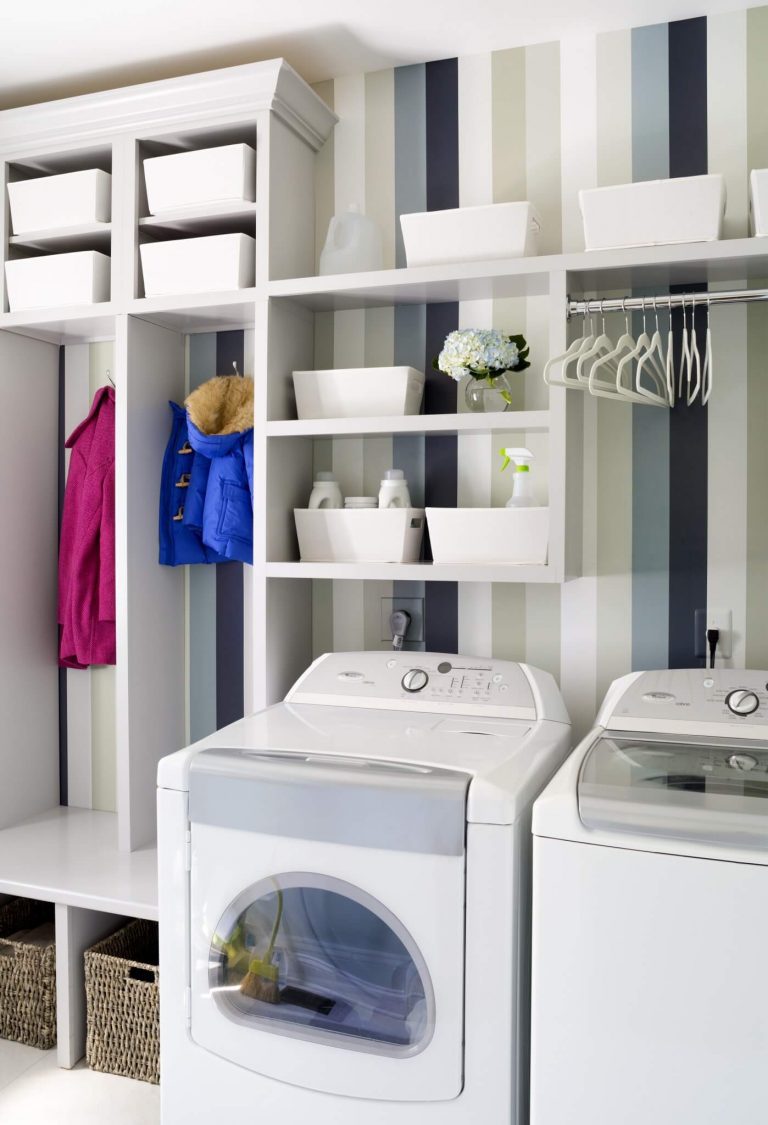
{"x": 414, "y": 606}
{"x": 705, "y": 619}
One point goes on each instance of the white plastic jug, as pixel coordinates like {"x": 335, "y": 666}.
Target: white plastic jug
{"x": 353, "y": 244}
{"x": 394, "y": 490}
{"x": 326, "y": 492}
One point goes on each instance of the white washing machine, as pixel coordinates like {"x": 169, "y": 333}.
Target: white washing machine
{"x": 650, "y": 910}
{"x": 344, "y": 886}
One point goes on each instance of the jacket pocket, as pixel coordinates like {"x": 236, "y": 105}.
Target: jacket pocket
{"x": 236, "y": 518}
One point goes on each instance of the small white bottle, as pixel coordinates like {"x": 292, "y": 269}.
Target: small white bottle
{"x": 522, "y": 490}
{"x": 326, "y": 492}
{"x": 393, "y": 492}
{"x": 353, "y": 244}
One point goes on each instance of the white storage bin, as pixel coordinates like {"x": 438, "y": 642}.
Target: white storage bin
{"x": 81, "y": 278}
{"x": 205, "y": 176}
{"x": 54, "y": 202}
{"x": 198, "y": 265}
{"x": 358, "y": 392}
{"x": 654, "y": 213}
{"x": 489, "y": 535}
{"x": 758, "y": 202}
{"x": 359, "y": 535}
{"x": 470, "y": 234}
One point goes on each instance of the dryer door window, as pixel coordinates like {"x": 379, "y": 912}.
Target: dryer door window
{"x": 317, "y": 958}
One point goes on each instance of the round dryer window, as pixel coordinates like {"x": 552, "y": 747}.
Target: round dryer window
{"x": 314, "y": 957}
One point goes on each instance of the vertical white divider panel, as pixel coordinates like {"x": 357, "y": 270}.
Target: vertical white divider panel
{"x": 563, "y": 467}
{"x": 150, "y": 598}
{"x": 291, "y": 203}
{"x": 76, "y": 930}
{"x": 124, "y": 218}
{"x": 77, "y": 401}
{"x": 29, "y": 679}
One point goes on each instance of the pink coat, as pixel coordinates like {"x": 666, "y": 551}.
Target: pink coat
{"x": 87, "y": 547}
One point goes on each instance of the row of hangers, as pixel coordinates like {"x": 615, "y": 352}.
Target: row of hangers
{"x": 642, "y": 370}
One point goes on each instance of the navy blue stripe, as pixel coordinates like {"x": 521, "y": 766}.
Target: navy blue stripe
{"x": 441, "y": 599}
{"x": 63, "y": 718}
{"x": 687, "y": 424}
{"x": 230, "y": 699}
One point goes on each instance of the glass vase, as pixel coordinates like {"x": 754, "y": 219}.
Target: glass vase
{"x": 486, "y": 396}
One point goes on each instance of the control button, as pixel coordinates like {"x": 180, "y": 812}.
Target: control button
{"x": 444, "y": 666}
{"x": 503, "y": 687}
{"x": 498, "y": 678}
{"x": 742, "y": 702}
{"x": 658, "y": 697}
{"x": 415, "y": 679}
{"x": 391, "y": 664}
{"x": 709, "y": 683}
{"x": 743, "y": 762}
{"x": 350, "y": 676}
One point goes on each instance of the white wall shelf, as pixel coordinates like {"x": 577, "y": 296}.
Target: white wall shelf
{"x": 414, "y": 572}
{"x": 89, "y": 236}
{"x": 529, "y": 421}
{"x": 198, "y": 312}
{"x": 221, "y": 218}
{"x": 77, "y": 324}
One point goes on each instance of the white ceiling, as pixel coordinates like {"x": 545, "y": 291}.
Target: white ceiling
{"x": 54, "y": 48}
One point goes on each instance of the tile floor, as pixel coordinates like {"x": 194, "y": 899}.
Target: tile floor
{"x": 35, "y": 1091}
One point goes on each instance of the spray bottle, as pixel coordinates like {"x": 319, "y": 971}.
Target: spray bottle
{"x": 522, "y": 494}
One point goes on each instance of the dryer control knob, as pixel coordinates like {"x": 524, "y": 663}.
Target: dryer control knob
{"x": 415, "y": 679}
{"x": 743, "y": 762}
{"x": 742, "y": 701}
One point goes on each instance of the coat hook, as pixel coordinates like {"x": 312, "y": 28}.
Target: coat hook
{"x": 234, "y": 364}
{"x": 109, "y": 376}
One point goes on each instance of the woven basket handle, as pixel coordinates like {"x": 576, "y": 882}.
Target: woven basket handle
{"x": 8, "y": 948}
{"x": 145, "y": 973}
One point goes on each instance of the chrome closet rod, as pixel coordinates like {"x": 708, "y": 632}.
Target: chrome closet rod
{"x": 665, "y": 301}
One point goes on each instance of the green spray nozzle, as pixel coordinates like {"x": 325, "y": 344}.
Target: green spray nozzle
{"x": 522, "y": 458}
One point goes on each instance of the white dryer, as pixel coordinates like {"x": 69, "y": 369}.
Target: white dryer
{"x": 650, "y": 910}
{"x": 344, "y": 897}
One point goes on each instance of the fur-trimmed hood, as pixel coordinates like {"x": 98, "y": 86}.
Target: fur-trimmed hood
{"x": 223, "y": 405}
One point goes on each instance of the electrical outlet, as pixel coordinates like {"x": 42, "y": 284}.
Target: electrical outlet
{"x": 414, "y": 606}
{"x": 705, "y": 619}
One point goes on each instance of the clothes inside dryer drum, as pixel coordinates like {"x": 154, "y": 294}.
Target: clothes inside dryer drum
{"x": 342, "y": 969}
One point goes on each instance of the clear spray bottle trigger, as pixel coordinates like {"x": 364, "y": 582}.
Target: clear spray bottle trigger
{"x": 522, "y": 494}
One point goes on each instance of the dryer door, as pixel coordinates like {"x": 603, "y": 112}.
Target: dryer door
{"x": 327, "y": 901}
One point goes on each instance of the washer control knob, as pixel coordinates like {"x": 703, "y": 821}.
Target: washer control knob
{"x": 743, "y": 762}
{"x": 415, "y": 679}
{"x": 742, "y": 701}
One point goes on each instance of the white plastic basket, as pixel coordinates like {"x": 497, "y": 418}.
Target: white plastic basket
{"x": 204, "y": 176}
{"x": 198, "y": 265}
{"x": 56, "y": 202}
{"x": 358, "y": 392}
{"x": 470, "y": 234}
{"x": 654, "y": 212}
{"x": 80, "y": 278}
{"x": 513, "y": 536}
{"x": 391, "y": 535}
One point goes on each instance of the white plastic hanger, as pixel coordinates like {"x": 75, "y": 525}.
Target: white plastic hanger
{"x": 654, "y": 361}
{"x": 685, "y": 360}
{"x": 566, "y": 358}
{"x": 601, "y": 346}
{"x": 695, "y": 359}
{"x": 603, "y": 388}
{"x": 670, "y": 365}
{"x": 706, "y": 375}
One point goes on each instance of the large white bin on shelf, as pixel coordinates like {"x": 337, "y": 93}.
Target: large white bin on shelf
{"x": 203, "y": 177}
{"x": 72, "y": 199}
{"x": 52, "y": 280}
{"x": 216, "y": 263}
{"x": 758, "y": 202}
{"x": 358, "y": 392}
{"x": 470, "y": 234}
{"x": 391, "y": 535}
{"x": 654, "y": 212}
{"x": 514, "y": 536}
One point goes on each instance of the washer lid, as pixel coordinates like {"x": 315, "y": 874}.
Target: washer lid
{"x": 712, "y": 790}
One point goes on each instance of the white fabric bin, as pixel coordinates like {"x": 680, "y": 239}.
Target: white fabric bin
{"x": 359, "y": 535}
{"x": 52, "y": 280}
{"x": 198, "y": 265}
{"x": 470, "y": 234}
{"x": 358, "y": 392}
{"x": 489, "y": 535}
{"x": 758, "y": 202}
{"x": 654, "y": 212}
{"x": 72, "y": 199}
{"x": 204, "y": 176}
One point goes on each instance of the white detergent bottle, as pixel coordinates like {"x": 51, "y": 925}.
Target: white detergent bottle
{"x": 326, "y": 492}
{"x": 522, "y": 493}
{"x": 353, "y": 244}
{"x": 393, "y": 492}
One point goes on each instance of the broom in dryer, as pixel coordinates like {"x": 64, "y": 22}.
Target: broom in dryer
{"x": 260, "y": 982}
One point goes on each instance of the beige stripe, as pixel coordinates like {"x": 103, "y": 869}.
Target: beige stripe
{"x": 380, "y": 157}
{"x": 614, "y": 108}
{"x": 322, "y": 617}
{"x": 509, "y": 621}
{"x": 757, "y": 88}
{"x": 324, "y": 178}
{"x": 508, "y": 125}
{"x": 757, "y": 492}
{"x": 727, "y": 114}
{"x": 542, "y": 624}
{"x": 614, "y": 542}
{"x": 542, "y": 141}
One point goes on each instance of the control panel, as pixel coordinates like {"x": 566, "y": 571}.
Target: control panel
{"x": 704, "y": 695}
{"x": 423, "y": 681}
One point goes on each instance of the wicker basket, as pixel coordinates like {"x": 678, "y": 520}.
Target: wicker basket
{"x": 122, "y": 993}
{"x": 27, "y": 977}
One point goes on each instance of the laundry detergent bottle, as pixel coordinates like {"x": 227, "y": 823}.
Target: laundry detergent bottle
{"x": 522, "y": 493}
{"x": 353, "y": 244}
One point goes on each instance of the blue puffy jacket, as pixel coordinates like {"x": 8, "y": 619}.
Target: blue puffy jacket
{"x": 219, "y": 501}
{"x": 180, "y": 544}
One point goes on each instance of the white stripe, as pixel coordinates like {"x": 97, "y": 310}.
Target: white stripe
{"x": 578, "y": 131}
{"x": 349, "y": 142}
{"x": 727, "y": 114}
{"x": 475, "y": 130}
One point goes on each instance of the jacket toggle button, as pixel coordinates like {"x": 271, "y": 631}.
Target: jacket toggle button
{"x": 180, "y": 514}
{"x": 183, "y": 481}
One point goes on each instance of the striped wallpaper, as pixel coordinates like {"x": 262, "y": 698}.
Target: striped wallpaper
{"x": 675, "y": 504}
